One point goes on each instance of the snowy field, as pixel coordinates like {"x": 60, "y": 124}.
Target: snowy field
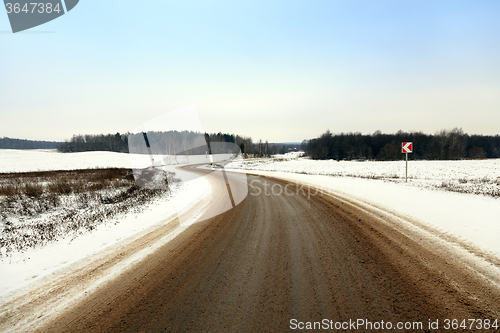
{"x": 12, "y": 160}
{"x": 471, "y": 176}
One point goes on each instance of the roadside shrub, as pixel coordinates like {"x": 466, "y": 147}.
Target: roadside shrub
{"x": 32, "y": 189}
{"x": 485, "y": 179}
{"x": 8, "y": 190}
{"x": 60, "y": 186}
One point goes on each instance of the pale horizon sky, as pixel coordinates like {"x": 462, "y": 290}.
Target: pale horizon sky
{"x": 277, "y": 70}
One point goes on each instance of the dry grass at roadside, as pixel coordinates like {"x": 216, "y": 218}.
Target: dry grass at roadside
{"x": 486, "y": 186}
{"x": 40, "y": 207}
{"x": 34, "y": 184}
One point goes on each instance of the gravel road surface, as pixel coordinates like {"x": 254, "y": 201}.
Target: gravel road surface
{"x": 278, "y": 260}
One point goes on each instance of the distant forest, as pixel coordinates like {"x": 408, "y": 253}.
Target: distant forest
{"x": 119, "y": 142}
{"x": 178, "y": 143}
{"x": 100, "y": 142}
{"x": 9, "y": 143}
{"x": 445, "y": 145}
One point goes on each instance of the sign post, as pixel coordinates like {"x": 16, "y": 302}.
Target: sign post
{"x": 407, "y": 147}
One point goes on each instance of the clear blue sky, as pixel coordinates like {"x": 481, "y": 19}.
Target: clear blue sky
{"x": 276, "y": 70}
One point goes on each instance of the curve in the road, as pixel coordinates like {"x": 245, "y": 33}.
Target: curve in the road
{"x": 276, "y": 258}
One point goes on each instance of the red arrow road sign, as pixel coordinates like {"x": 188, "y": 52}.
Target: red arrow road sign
{"x": 407, "y": 147}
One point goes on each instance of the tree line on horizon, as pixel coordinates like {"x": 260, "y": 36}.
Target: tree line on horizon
{"x": 172, "y": 142}
{"x": 95, "y": 142}
{"x": 10, "y": 143}
{"x": 444, "y": 145}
